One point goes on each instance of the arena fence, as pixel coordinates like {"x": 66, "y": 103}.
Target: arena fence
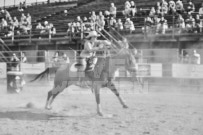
{"x": 156, "y": 67}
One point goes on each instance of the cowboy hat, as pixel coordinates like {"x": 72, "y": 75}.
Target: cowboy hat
{"x": 92, "y": 34}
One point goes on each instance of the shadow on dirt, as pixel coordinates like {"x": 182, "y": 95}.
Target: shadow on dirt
{"x": 29, "y": 116}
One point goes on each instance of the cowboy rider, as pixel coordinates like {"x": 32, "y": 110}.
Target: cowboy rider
{"x": 90, "y": 47}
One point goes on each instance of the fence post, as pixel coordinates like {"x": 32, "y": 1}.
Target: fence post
{"x": 173, "y": 26}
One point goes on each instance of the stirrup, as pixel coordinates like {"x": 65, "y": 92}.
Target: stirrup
{"x": 78, "y": 65}
{"x": 90, "y": 68}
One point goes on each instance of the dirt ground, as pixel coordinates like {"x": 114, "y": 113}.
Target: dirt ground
{"x": 74, "y": 112}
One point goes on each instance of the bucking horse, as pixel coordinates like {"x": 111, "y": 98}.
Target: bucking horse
{"x": 102, "y": 75}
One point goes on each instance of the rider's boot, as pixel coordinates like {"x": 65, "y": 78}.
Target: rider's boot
{"x": 81, "y": 64}
{"x": 91, "y": 62}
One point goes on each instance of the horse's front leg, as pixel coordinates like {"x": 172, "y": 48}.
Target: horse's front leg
{"x": 112, "y": 87}
{"x": 97, "y": 88}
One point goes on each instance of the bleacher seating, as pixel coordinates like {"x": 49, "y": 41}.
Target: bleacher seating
{"x": 53, "y": 13}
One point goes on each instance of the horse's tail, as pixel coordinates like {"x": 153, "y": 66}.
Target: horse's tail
{"x": 46, "y": 72}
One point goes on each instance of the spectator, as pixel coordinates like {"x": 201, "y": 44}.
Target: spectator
{"x": 201, "y": 11}
{"x": 46, "y": 26}
{"x": 112, "y": 22}
{"x": 127, "y": 10}
{"x": 20, "y": 8}
{"x": 23, "y": 17}
{"x": 180, "y": 23}
{"x": 65, "y": 58}
{"x": 162, "y": 26}
{"x": 106, "y": 19}
{"x": 24, "y": 5}
{"x": 3, "y": 24}
{"x": 100, "y": 21}
{"x": 198, "y": 25}
{"x": 185, "y": 57}
{"x": 87, "y": 26}
{"x": 158, "y": 8}
{"x": 78, "y": 24}
{"x": 14, "y": 62}
{"x": 65, "y": 13}
{"x": 195, "y": 58}
{"x": 133, "y": 8}
{"x": 152, "y": 12}
{"x": 164, "y": 7}
{"x": 172, "y": 7}
{"x": 190, "y": 8}
{"x": 55, "y": 57}
{"x": 129, "y": 25}
{"x": 148, "y": 25}
{"x": 69, "y": 30}
{"x": 9, "y": 32}
{"x": 79, "y": 19}
{"x": 15, "y": 22}
{"x": 119, "y": 25}
{"x": 7, "y": 14}
{"x": 10, "y": 21}
{"x": 155, "y": 20}
{"x": 39, "y": 26}
{"x": 113, "y": 10}
{"x": 23, "y": 58}
{"x": 179, "y": 7}
{"x": 190, "y": 23}
{"x": 29, "y": 19}
{"x": 52, "y": 29}
{"x": 93, "y": 16}
{"x": 25, "y": 26}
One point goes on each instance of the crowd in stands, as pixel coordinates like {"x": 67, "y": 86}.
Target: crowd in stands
{"x": 184, "y": 18}
{"x": 46, "y": 28}
{"x": 12, "y": 25}
{"x": 190, "y": 58}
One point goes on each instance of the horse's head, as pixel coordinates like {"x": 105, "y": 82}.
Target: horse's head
{"x": 128, "y": 58}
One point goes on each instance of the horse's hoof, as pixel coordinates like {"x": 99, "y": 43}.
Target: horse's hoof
{"x": 125, "y": 106}
{"x": 100, "y": 114}
{"x": 48, "y": 107}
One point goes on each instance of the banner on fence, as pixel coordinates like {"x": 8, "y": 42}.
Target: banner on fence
{"x": 187, "y": 71}
{"x": 32, "y": 68}
{"x": 149, "y": 70}
{"x": 143, "y": 70}
{"x": 3, "y": 69}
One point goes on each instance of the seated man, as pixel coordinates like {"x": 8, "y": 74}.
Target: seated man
{"x": 148, "y": 24}
{"x": 164, "y": 7}
{"x": 190, "y": 23}
{"x": 129, "y": 25}
{"x": 172, "y": 7}
{"x": 90, "y": 47}
{"x": 190, "y": 8}
{"x": 180, "y": 23}
{"x": 127, "y": 10}
{"x": 113, "y": 10}
{"x": 201, "y": 11}
{"x": 179, "y": 7}
{"x": 162, "y": 25}
{"x": 133, "y": 8}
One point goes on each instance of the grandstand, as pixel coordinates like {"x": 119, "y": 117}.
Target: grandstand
{"x": 62, "y": 13}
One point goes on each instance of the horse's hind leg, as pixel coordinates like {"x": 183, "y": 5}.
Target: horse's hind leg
{"x": 97, "y": 88}
{"x": 53, "y": 93}
{"x": 48, "y": 99}
{"x": 112, "y": 87}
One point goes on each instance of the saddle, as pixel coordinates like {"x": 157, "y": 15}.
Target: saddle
{"x": 84, "y": 64}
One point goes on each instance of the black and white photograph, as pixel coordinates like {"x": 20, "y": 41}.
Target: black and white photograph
{"x": 101, "y": 67}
